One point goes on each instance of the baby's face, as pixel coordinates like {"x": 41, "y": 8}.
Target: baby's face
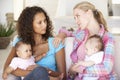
{"x": 24, "y": 51}
{"x": 90, "y": 48}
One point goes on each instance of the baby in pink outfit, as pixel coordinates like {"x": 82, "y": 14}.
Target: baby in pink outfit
{"x": 23, "y": 61}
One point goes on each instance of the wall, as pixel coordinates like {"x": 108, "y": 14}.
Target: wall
{"x": 67, "y": 6}
{"x": 18, "y": 6}
{"x": 48, "y": 5}
{"x": 116, "y": 9}
{"x": 55, "y": 8}
{"x": 5, "y": 7}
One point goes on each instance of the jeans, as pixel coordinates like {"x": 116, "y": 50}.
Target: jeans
{"x": 39, "y": 73}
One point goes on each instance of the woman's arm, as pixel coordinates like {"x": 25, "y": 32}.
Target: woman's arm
{"x": 63, "y": 33}
{"x": 21, "y": 72}
{"x": 17, "y": 72}
{"x": 61, "y": 64}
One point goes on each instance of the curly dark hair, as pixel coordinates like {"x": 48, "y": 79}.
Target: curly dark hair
{"x": 25, "y": 25}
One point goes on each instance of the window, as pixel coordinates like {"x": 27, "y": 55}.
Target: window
{"x": 115, "y": 1}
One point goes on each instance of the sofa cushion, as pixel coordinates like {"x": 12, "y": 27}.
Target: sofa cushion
{"x": 68, "y": 50}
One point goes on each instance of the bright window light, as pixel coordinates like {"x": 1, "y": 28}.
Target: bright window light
{"x": 18, "y": 7}
{"x": 115, "y": 1}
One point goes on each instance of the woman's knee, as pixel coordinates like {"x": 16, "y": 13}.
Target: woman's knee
{"x": 40, "y": 69}
{"x": 39, "y": 73}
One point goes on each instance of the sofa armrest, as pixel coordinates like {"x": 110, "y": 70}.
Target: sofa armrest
{"x": 117, "y": 56}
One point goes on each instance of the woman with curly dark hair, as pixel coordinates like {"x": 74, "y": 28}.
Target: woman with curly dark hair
{"x": 34, "y": 27}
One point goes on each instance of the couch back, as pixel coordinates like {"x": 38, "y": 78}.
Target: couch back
{"x": 117, "y": 55}
{"x": 68, "y": 50}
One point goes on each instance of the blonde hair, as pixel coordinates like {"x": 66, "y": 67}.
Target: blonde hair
{"x": 85, "y": 6}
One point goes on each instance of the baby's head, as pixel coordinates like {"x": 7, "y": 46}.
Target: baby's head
{"x": 94, "y": 44}
{"x": 23, "y": 50}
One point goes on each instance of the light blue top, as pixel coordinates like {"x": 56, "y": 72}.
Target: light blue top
{"x": 49, "y": 60}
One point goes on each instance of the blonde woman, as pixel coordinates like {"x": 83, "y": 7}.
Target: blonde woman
{"x": 90, "y": 22}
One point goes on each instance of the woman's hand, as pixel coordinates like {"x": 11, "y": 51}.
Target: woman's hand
{"x": 57, "y": 40}
{"x": 31, "y": 67}
{"x": 56, "y": 75}
{"x": 60, "y": 77}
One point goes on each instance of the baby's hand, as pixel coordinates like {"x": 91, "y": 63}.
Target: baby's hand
{"x": 78, "y": 63}
{"x": 4, "y": 76}
{"x": 75, "y": 68}
{"x": 71, "y": 69}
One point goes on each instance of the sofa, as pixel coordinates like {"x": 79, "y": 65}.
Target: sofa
{"x": 69, "y": 47}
